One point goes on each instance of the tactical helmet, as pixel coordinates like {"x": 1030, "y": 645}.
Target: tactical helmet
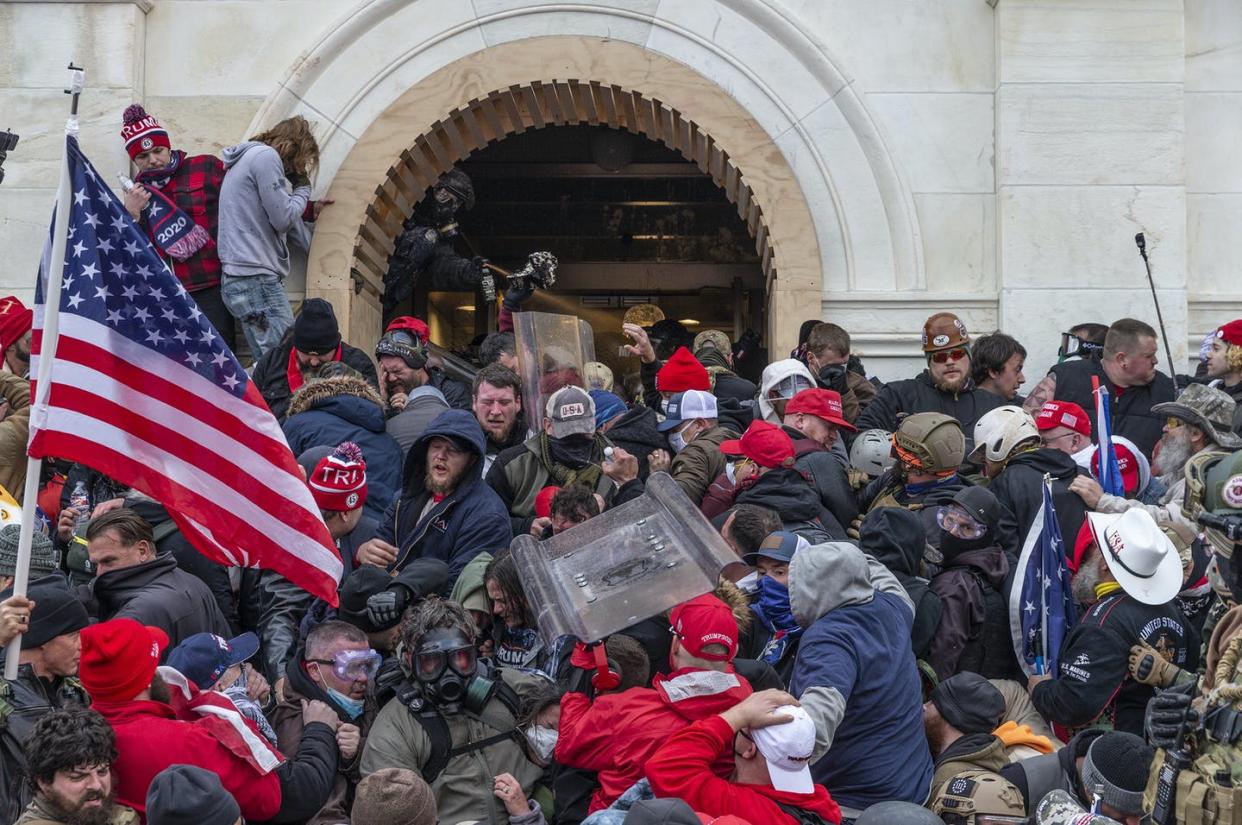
{"x": 977, "y": 796}
{"x": 931, "y": 442}
{"x": 458, "y": 182}
{"x": 1001, "y": 431}
{"x": 1214, "y": 485}
{"x": 872, "y": 452}
{"x": 897, "y": 813}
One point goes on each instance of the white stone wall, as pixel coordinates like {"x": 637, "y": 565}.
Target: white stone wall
{"x": 1034, "y": 137}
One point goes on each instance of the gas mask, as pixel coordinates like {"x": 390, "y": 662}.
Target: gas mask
{"x": 446, "y": 666}
{"x": 445, "y": 212}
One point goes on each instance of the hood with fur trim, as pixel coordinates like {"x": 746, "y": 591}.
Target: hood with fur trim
{"x": 310, "y": 396}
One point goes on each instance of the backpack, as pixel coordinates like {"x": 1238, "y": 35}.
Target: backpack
{"x": 437, "y": 730}
{"x": 801, "y": 815}
{"x": 989, "y": 650}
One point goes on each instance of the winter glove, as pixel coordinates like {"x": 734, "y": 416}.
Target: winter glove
{"x": 1150, "y": 668}
{"x": 297, "y": 179}
{"x": 832, "y": 377}
{"x": 384, "y": 609}
{"x": 515, "y": 295}
{"x": 857, "y": 479}
{"x": 1166, "y": 712}
{"x": 855, "y": 526}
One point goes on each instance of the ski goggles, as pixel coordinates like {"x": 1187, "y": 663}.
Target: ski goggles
{"x": 429, "y": 665}
{"x": 354, "y": 665}
{"x": 957, "y": 522}
{"x": 1072, "y": 345}
{"x": 946, "y": 355}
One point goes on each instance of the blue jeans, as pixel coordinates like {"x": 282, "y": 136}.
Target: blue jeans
{"x": 260, "y": 305}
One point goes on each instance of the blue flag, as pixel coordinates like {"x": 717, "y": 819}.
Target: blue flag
{"x": 1041, "y": 605}
{"x": 1110, "y": 472}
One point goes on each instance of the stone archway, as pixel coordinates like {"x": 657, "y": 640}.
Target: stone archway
{"x": 536, "y": 105}
{"x": 838, "y": 214}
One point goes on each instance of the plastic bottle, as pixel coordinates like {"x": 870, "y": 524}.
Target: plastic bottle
{"x": 80, "y": 501}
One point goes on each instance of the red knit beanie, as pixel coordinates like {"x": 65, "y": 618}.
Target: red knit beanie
{"x": 15, "y": 321}
{"x": 119, "y": 657}
{"x": 339, "y": 481}
{"x": 142, "y": 132}
{"x": 682, "y": 372}
{"x": 543, "y": 501}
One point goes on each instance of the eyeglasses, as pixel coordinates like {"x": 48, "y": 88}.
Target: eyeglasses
{"x": 949, "y": 355}
{"x": 1173, "y": 422}
{"x": 740, "y": 461}
{"x": 1048, "y": 441}
{"x": 959, "y": 523}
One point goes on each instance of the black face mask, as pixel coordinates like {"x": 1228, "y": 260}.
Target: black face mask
{"x": 951, "y": 545}
{"x": 445, "y": 213}
{"x": 574, "y": 451}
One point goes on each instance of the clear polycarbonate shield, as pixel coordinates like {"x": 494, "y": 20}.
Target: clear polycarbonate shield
{"x": 551, "y": 352}
{"x": 632, "y": 562}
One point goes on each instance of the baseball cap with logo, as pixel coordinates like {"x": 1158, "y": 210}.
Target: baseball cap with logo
{"x": 778, "y": 546}
{"x": 204, "y": 657}
{"x": 571, "y": 411}
{"x": 1127, "y": 462}
{"x": 687, "y": 406}
{"x": 119, "y": 657}
{"x": 702, "y": 621}
{"x": 1055, "y": 414}
{"x": 1138, "y": 554}
{"x": 765, "y": 444}
{"x": 787, "y": 750}
{"x": 825, "y": 404}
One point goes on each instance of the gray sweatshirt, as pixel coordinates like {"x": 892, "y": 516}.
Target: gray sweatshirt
{"x": 257, "y": 212}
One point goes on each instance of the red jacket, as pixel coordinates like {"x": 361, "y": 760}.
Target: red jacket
{"x": 683, "y": 768}
{"x": 619, "y": 732}
{"x": 149, "y": 738}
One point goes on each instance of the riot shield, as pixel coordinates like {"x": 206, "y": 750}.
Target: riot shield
{"x": 632, "y": 562}
{"x": 551, "y": 351}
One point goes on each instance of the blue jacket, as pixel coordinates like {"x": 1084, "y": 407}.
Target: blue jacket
{"x": 328, "y": 412}
{"x": 468, "y": 521}
{"x": 856, "y": 676}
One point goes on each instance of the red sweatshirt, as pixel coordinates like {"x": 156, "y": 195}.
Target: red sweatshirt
{"x": 617, "y": 734}
{"x": 682, "y": 768}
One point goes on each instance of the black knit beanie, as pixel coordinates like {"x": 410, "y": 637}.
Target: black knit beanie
{"x": 315, "y": 330}
{"x": 1116, "y": 769}
{"x": 185, "y": 794}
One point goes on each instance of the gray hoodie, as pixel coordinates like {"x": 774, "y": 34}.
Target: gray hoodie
{"x": 257, "y": 212}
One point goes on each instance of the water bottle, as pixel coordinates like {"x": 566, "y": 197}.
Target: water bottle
{"x": 80, "y": 500}
{"x": 77, "y": 560}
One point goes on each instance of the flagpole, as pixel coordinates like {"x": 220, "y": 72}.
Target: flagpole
{"x": 47, "y": 351}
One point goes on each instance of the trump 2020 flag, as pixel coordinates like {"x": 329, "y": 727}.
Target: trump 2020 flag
{"x": 1041, "y": 605}
{"x": 1110, "y": 472}
{"x": 142, "y": 389}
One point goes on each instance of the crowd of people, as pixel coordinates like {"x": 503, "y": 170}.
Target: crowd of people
{"x": 855, "y": 662}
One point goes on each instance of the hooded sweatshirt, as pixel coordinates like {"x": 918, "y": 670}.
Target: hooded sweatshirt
{"x": 856, "y": 676}
{"x": 422, "y": 405}
{"x": 618, "y": 732}
{"x": 895, "y": 538}
{"x": 1019, "y": 488}
{"x": 258, "y": 212}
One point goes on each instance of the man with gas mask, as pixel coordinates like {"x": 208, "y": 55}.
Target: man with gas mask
{"x": 424, "y": 249}
{"x": 334, "y": 666}
{"x": 453, "y": 719}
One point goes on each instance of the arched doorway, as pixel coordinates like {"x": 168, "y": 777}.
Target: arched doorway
{"x": 638, "y": 202}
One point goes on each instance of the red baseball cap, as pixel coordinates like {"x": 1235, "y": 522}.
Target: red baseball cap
{"x": 1055, "y": 414}
{"x": 119, "y": 657}
{"x": 1231, "y": 333}
{"x": 765, "y": 444}
{"x": 409, "y": 322}
{"x": 1082, "y": 541}
{"x": 1126, "y": 462}
{"x": 825, "y": 404}
{"x": 703, "y": 621}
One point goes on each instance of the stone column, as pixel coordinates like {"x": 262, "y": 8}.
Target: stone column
{"x": 1090, "y": 149}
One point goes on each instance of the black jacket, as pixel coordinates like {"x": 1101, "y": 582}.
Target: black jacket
{"x": 918, "y": 394}
{"x": 455, "y": 393}
{"x": 28, "y": 699}
{"x": 1130, "y": 408}
{"x": 895, "y": 538}
{"x": 271, "y": 373}
{"x": 1093, "y": 677}
{"x": 156, "y": 593}
{"x": 791, "y": 495}
{"x": 731, "y": 386}
{"x": 307, "y": 779}
{"x": 1019, "y": 488}
{"x": 973, "y": 634}
{"x": 925, "y": 502}
{"x": 826, "y": 474}
{"x": 1038, "y": 776}
{"x": 636, "y": 433}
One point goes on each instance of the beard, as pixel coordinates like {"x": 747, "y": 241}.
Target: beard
{"x": 502, "y": 432}
{"x": 443, "y": 488}
{"x": 1173, "y": 455}
{"x": 159, "y": 690}
{"x": 394, "y": 385}
{"x": 947, "y": 384}
{"x": 1084, "y": 583}
{"x": 934, "y": 728}
{"x": 70, "y": 814}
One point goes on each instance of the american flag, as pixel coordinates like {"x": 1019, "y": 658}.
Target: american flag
{"x": 144, "y": 390}
{"x": 1110, "y": 472}
{"x": 1041, "y": 604}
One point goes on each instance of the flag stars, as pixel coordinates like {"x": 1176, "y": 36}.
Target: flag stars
{"x": 91, "y": 219}
{"x": 230, "y": 382}
{"x": 131, "y": 249}
{"x": 78, "y": 249}
{"x": 105, "y": 245}
{"x": 220, "y": 359}
{"x": 115, "y": 316}
{"x": 120, "y": 223}
{"x": 142, "y": 315}
{"x": 79, "y": 197}
{"x": 90, "y": 270}
{"x": 169, "y": 314}
{"x": 74, "y": 300}
{"x": 154, "y": 336}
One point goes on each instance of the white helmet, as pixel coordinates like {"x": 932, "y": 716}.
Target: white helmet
{"x": 872, "y": 452}
{"x": 1000, "y": 431}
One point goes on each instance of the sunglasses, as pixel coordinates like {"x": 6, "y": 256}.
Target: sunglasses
{"x": 949, "y": 355}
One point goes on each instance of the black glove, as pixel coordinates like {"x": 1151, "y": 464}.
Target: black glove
{"x": 384, "y": 609}
{"x": 517, "y": 293}
{"x": 298, "y": 179}
{"x": 1166, "y": 712}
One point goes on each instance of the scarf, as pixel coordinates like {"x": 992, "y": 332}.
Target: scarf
{"x": 294, "y": 374}
{"x": 573, "y": 461}
{"x": 773, "y": 610}
{"x": 173, "y": 231}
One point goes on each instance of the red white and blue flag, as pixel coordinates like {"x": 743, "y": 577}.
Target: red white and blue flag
{"x": 143, "y": 390}
{"x": 1041, "y": 603}
{"x": 1110, "y": 472}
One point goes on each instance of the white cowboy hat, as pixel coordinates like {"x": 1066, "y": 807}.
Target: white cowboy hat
{"x": 1138, "y": 554}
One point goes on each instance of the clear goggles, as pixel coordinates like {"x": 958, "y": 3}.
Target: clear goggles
{"x": 957, "y": 522}
{"x": 354, "y": 665}
{"x": 787, "y": 388}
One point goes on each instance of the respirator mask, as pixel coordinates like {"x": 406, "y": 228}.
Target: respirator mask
{"x": 446, "y": 667}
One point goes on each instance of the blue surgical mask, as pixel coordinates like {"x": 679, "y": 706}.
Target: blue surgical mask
{"x": 352, "y": 707}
